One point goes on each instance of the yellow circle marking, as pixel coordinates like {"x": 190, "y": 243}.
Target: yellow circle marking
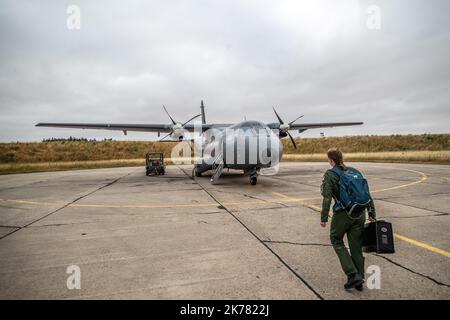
{"x": 278, "y": 194}
{"x": 422, "y": 179}
{"x": 396, "y": 235}
{"x": 143, "y": 206}
{"x": 194, "y": 205}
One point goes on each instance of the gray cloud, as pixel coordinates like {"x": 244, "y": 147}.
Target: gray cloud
{"x": 306, "y": 57}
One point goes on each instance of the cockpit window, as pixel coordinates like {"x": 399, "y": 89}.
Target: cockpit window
{"x": 249, "y": 124}
{"x": 251, "y": 127}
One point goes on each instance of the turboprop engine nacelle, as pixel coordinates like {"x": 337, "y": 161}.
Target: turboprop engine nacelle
{"x": 177, "y": 132}
{"x": 177, "y": 128}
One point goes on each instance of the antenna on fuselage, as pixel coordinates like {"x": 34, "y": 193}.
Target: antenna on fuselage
{"x": 202, "y": 108}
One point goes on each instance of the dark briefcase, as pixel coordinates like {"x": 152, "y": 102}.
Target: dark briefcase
{"x": 378, "y": 237}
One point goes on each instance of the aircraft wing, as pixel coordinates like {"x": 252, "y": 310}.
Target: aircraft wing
{"x": 105, "y": 126}
{"x": 130, "y": 127}
{"x": 305, "y": 126}
{"x": 189, "y": 127}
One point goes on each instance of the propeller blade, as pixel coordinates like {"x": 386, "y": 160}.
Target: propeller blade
{"x": 292, "y": 140}
{"x": 165, "y": 136}
{"x": 279, "y": 119}
{"x": 173, "y": 121}
{"x": 191, "y": 119}
{"x": 296, "y": 119}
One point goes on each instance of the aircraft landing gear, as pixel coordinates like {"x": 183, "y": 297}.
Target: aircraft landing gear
{"x": 254, "y": 177}
{"x": 196, "y": 172}
{"x": 253, "y": 173}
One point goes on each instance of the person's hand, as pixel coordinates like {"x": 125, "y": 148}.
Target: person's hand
{"x": 372, "y": 219}
{"x": 323, "y": 224}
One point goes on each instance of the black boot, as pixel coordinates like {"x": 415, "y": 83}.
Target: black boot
{"x": 353, "y": 281}
{"x": 360, "y": 287}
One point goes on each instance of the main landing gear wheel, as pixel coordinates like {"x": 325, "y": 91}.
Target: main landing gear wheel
{"x": 196, "y": 173}
{"x": 253, "y": 180}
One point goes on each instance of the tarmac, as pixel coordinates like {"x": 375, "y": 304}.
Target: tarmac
{"x": 178, "y": 237}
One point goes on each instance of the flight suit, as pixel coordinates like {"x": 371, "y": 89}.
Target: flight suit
{"x": 342, "y": 224}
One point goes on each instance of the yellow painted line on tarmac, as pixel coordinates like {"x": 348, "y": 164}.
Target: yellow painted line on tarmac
{"x": 423, "y": 245}
{"x": 37, "y": 203}
{"x": 400, "y": 237}
{"x": 284, "y": 196}
{"x": 143, "y": 206}
{"x": 278, "y": 194}
{"x": 290, "y": 199}
{"x": 396, "y": 235}
{"x": 422, "y": 179}
{"x": 313, "y": 206}
{"x": 140, "y": 206}
{"x": 158, "y": 206}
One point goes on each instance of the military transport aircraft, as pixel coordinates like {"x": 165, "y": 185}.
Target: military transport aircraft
{"x": 251, "y": 146}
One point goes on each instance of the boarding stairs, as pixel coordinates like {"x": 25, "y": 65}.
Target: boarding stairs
{"x": 217, "y": 168}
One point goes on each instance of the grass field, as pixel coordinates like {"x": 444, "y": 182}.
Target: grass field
{"x": 442, "y": 157}
{"x": 69, "y": 155}
{"x": 438, "y": 157}
{"x": 9, "y": 168}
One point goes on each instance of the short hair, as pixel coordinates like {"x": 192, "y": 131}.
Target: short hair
{"x": 336, "y": 155}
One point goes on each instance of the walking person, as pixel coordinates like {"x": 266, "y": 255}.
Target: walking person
{"x": 346, "y": 220}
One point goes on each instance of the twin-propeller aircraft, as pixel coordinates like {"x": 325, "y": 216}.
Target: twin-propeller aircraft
{"x": 251, "y": 146}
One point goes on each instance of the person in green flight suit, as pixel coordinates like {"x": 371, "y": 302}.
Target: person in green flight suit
{"x": 352, "y": 262}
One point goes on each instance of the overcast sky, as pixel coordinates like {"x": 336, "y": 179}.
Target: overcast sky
{"x": 316, "y": 58}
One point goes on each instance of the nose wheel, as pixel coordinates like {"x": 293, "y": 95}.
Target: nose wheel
{"x": 253, "y": 174}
